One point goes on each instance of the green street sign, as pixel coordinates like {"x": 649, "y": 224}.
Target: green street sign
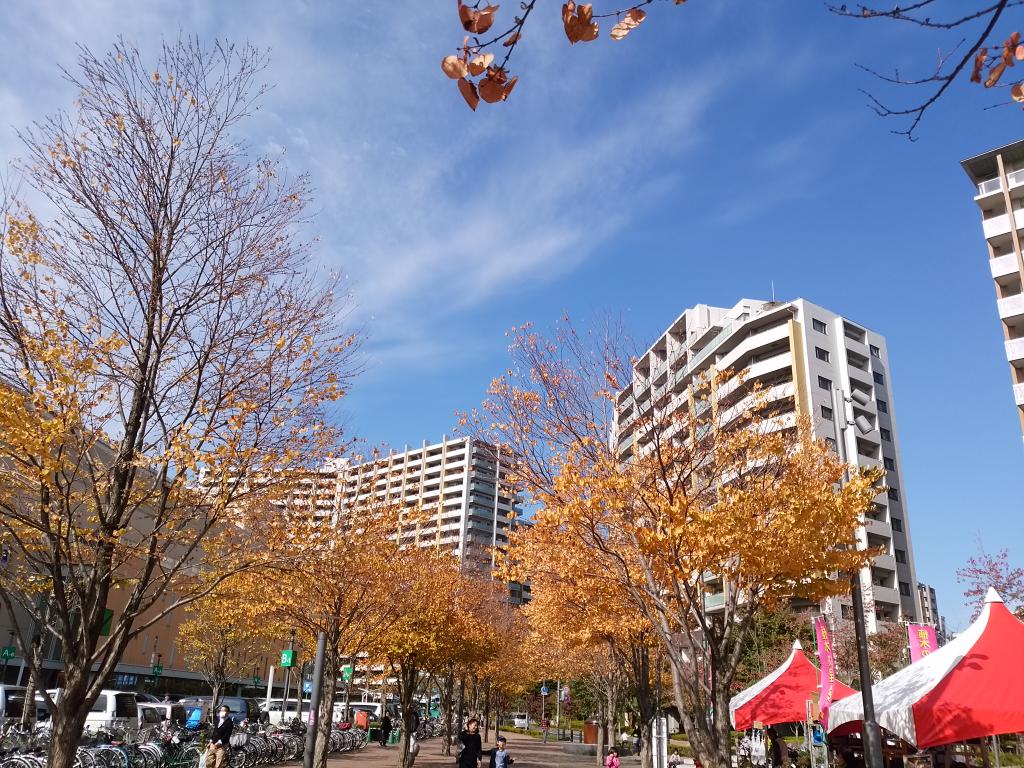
{"x": 346, "y": 673}
{"x": 158, "y": 670}
{"x": 287, "y": 658}
{"x": 256, "y": 682}
{"x": 8, "y": 652}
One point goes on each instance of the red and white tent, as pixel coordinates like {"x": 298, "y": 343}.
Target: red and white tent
{"x": 969, "y": 688}
{"x": 782, "y": 696}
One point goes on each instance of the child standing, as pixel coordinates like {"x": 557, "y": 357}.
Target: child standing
{"x": 612, "y": 761}
{"x": 500, "y": 758}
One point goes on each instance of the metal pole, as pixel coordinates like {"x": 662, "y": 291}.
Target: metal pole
{"x": 872, "y": 734}
{"x": 314, "y": 701}
{"x": 270, "y": 686}
{"x": 287, "y": 678}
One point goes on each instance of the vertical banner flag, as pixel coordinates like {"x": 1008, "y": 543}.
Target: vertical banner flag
{"x": 922, "y": 641}
{"x": 827, "y": 662}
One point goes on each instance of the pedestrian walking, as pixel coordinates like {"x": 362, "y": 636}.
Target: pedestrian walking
{"x": 500, "y": 758}
{"x": 385, "y": 730}
{"x": 472, "y": 746}
{"x": 778, "y": 748}
{"x": 220, "y": 738}
{"x": 612, "y": 761}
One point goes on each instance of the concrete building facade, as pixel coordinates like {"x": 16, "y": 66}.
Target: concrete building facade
{"x": 930, "y": 611}
{"x": 811, "y": 362}
{"x": 998, "y": 178}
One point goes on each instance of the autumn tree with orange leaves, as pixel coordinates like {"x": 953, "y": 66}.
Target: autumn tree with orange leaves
{"x": 161, "y": 321}
{"x": 970, "y": 42}
{"x": 335, "y": 576}
{"x": 724, "y": 506}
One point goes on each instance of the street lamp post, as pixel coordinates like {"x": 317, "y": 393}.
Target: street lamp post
{"x": 872, "y": 735}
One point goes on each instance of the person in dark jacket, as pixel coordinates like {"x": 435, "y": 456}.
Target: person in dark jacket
{"x": 472, "y": 746}
{"x": 779, "y": 752}
{"x": 220, "y": 738}
{"x": 500, "y": 758}
{"x": 385, "y": 730}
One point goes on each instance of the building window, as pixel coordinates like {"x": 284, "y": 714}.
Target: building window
{"x": 821, "y": 354}
{"x": 826, "y": 413}
{"x": 904, "y": 589}
{"x": 901, "y": 556}
{"x": 894, "y": 494}
{"x": 825, "y": 383}
{"x": 831, "y": 443}
{"x": 897, "y": 525}
{"x": 886, "y": 434}
{"x": 879, "y": 378}
{"x": 875, "y": 351}
{"x": 889, "y": 463}
{"x": 819, "y": 326}
{"x": 846, "y": 611}
{"x": 883, "y": 406}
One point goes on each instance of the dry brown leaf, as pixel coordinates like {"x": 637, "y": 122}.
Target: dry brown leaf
{"x": 628, "y": 23}
{"x": 468, "y": 91}
{"x": 995, "y": 73}
{"x": 477, "y": 21}
{"x": 496, "y": 86}
{"x": 578, "y": 23}
{"x": 478, "y": 64}
{"x": 1017, "y": 92}
{"x": 454, "y": 67}
{"x": 979, "y": 63}
{"x": 512, "y": 40}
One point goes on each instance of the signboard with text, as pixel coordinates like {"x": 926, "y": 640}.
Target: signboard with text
{"x": 922, "y": 640}
{"x": 287, "y": 658}
{"x": 827, "y": 663}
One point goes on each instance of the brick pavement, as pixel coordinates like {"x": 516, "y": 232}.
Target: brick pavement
{"x": 527, "y": 751}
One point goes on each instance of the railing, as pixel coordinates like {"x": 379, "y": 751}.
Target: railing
{"x": 990, "y": 186}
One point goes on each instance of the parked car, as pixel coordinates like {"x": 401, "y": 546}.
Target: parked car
{"x": 110, "y": 708}
{"x": 172, "y": 712}
{"x": 12, "y": 704}
{"x": 276, "y": 714}
{"x": 520, "y": 720}
{"x": 242, "y": 708}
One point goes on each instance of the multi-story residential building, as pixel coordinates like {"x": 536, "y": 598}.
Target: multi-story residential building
{"x": 810, "y": 361}
{"x": 998, "y": 176}
{"x": 463, "y": 485}
{"x": 930, "y": 611}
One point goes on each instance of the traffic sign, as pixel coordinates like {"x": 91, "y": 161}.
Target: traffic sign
{"x": 307, "y": 686}
{"x": 287, "y": 658}
{"x": 158, "y": 669}
{"x": 8, "y": 652}
{"x": 346, "y": 673}
{"x": 544, "y": 690}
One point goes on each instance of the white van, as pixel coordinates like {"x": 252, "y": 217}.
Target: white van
{"x": 12, "y": 703}
{"x": 520, "y": 720}
{"x": 111, "y": 708}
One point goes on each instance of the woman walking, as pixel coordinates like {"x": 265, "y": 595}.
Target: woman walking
{"x": 472, "y": 746}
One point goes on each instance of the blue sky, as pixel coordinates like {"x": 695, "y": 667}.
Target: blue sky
{"x": 722, "y": 147}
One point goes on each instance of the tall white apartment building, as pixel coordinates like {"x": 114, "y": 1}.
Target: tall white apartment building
{"x": 998, "y": 177}
{"x": 461, "y": 484}
{"x": 810, "y": 361}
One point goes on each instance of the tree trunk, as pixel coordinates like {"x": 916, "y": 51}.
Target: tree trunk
{"x": 602, "y": 734}
{"x": 65, "y": 735}
{"x": 325, "y": 718}
{"x": 28, "y": 712}
{"x": 487, "y": 712}
{"x": 406, "y": 694}
{"x": 447, "y": 709}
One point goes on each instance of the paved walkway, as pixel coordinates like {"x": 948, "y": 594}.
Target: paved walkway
{"x": 527, "y": 752}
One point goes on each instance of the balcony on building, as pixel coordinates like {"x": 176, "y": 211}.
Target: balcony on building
{"x": 1011, "y": 308}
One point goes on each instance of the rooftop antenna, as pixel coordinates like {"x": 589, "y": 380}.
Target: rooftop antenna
{"x": 773, "y": 291}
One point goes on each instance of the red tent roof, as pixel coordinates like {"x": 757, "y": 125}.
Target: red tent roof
{"x": 780, "y": 697}
{"x": 969, "y": 688}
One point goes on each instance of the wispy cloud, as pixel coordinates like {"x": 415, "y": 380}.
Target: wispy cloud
{"x": 430, "y": 210}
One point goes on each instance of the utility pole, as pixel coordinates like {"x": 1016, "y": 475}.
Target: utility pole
{"x": 872, "y": 734}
